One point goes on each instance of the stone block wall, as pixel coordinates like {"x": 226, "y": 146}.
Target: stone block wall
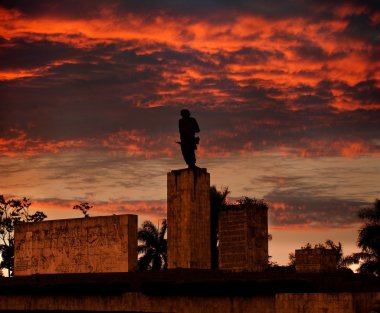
{"x": 189, "y": 219}
{"x": 85, "y": 245}
{"x": 317, "y": 260}
{"x": 243, "y": 238}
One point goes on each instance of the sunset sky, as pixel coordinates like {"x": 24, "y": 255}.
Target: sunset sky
{"x": 286, "y": 93}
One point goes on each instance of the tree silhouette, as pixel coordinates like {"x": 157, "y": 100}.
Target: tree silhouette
{"x": 338, "y": 249}
{"x": 13, "y": 211}
{"x": 84, "y": 207}
{"x": 153, "y": 246}
{"x": 368, "y": 241}
{"x": 217, "y": 203}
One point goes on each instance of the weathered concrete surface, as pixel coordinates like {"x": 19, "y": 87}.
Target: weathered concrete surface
{"x": 243, "y": 239}
{"x": 317, "y": 260}
{"x": 141, "y": 303}
{"x": 94, "y": 244}
{"x": 189, "y": 219}
{"x": 348, "y": 302}
{"x": 315, "y": 303}
{"x": 368, "y": 302}
{"x": 138, "y": 302}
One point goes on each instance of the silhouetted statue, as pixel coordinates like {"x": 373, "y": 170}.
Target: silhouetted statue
{"x": 188, "y": 126}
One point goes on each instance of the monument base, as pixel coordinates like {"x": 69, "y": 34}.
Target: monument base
{"x": 189, "y": 218}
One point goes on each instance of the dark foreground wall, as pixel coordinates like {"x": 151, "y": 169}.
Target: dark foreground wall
{"x": 138, "y": 302}
{"x": 193, "y": 292}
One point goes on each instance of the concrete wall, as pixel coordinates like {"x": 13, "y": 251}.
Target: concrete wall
{"x": 243, "y": 239}
{"x": 315, "y": 303}
{"x": 94, "y": 244}
{"x": 368, "y": 302}
{"x": 137, "y": 302}
{"x": 318, "y": 260}
{"x": 189, "y": 219}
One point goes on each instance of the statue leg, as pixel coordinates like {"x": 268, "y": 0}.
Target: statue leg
{"x": 188, "y": 154}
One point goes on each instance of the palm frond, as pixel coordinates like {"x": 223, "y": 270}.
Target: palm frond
{"x": 146, "y": 236}
{"x": 148, "y": 233}
{"x": 371, "y": 214}
{"x": 370, "y": 267}
{"x": 218, "y": 198}
{"x": 164, "y": 246}
{"x": 149, "y": 227}
{"x": 350, "y": 259}
{"x": 161, "y": 234}
{"x": 369, "y": 236}
{"x": 337, "y": 248}
{"x": 142, "y": 249}
{"x": 153, "y": 246}
{"x": 157, "y": 262}
{"x": 144, "y": 262}
{"x": 356, "y": 258}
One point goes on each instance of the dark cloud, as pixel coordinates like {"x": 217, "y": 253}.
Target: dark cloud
{"x": 312, "y": 51}
{"x": 296, "y": 201}
{"x": 361, "y": 27}
{"x": 67, "y": 8}
{"x": 272, "y": 9}
{"x": 364, "y": 92}
{"x": 308, "y": 209}
{"x": 20, "y": 53}
{"x": 249, "y": 55}
{"x": 317, "y": 97}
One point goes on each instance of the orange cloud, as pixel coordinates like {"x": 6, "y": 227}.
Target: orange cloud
{"x": 134, "y": 143}
{"x": 207, "y": 37}
{"x": 21, "y": 144}
{"x": 137, "y": 143}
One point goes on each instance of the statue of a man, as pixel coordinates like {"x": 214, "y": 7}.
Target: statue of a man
{"x": 188, "y": 126}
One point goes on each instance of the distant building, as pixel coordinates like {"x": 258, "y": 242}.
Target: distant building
{"x": 317, "y": 260}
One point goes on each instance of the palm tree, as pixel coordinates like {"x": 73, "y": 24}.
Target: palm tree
{"x": 338, "y": 249}
{"x": 153, "y": 247}
{"x": 368, "y": 241}
{"x": 217, "y": 203}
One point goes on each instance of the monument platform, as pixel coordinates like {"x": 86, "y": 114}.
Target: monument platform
{"x": 189, "y": 244}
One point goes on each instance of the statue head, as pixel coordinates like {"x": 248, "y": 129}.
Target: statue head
{"x": 185, "y": 113}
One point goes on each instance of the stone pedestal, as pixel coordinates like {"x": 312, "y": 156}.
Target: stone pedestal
{"x": 189, "y": 219}
{"x": 317, "y": 260}
{"x": 243, "y": 238}
{"x": 84, "y": 245}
